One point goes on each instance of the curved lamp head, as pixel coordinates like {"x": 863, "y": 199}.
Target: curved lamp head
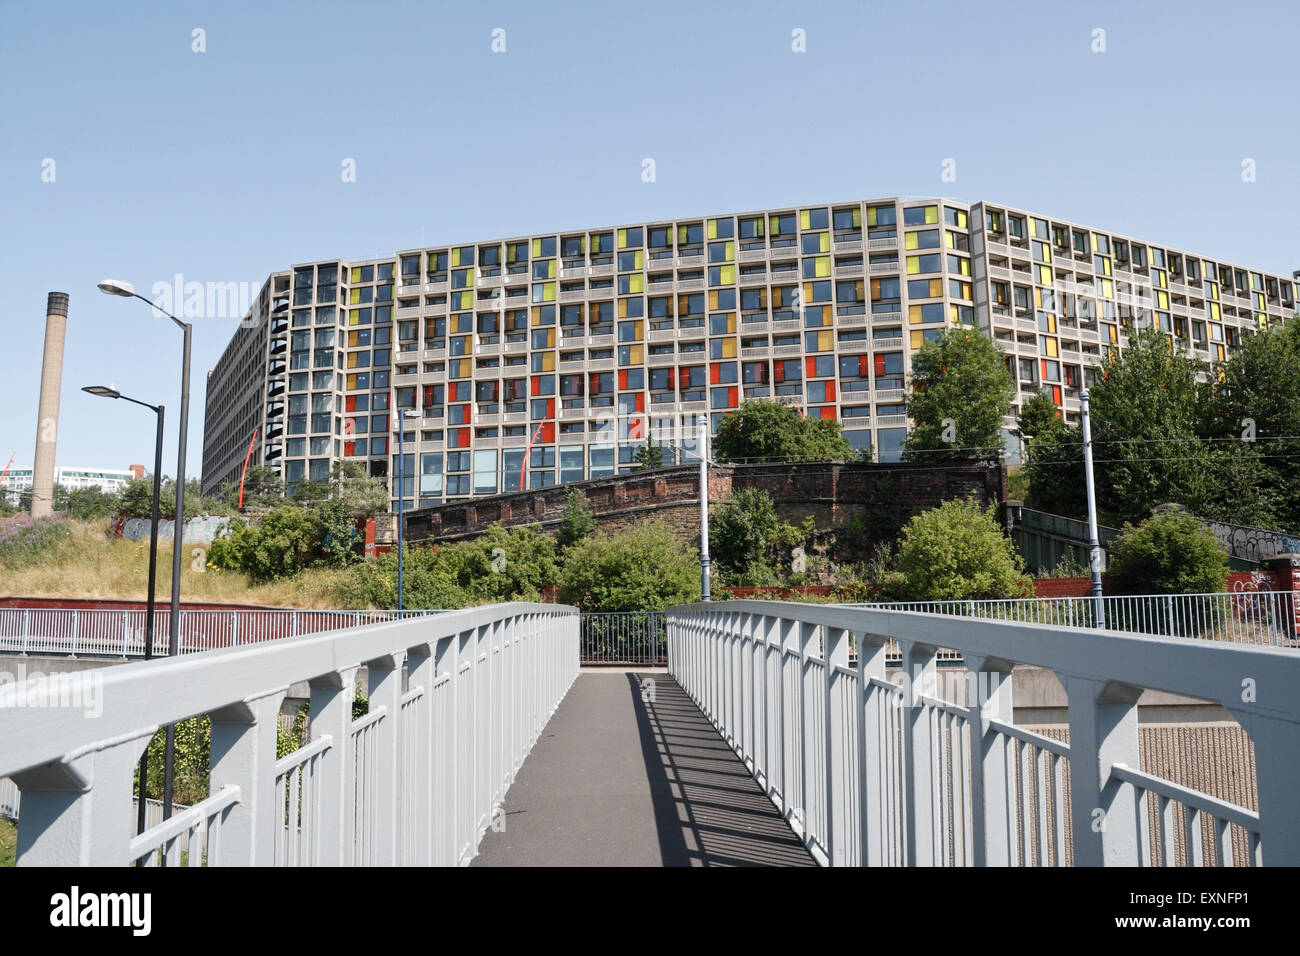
{"x": 117, "y": 287}
{"x": 103, "y": 391}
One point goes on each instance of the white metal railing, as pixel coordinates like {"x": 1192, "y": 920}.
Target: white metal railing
{"x": 928, "y": 768}
{"x": 424, "y": 771}
{"x": 121, "y": 633}
{"x": 1243, "y": 617}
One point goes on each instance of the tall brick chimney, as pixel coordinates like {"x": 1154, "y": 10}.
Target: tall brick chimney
{"x": 47, "y": 415}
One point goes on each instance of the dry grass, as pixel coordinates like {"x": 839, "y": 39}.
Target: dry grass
{"x": 90, "y": 564}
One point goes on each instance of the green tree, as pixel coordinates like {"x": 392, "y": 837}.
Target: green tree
{"x": 1146, "y": 416}
{"x": 1168, "y": 553}
{"x": 957, "y": 551}
{"x": 961, "y": 392}
{"x": 650, "y": 455}
{"x": 750, "y": 541}
{"x": 766, "y": 431}
{"x": 1252, "y": 420}
{"x": 87, "y": 504}
{"x": 1037, "y": 415}
{"x": 645, "y": 568}
{"x": 578, "y": 521}
{"x": 135, "y": 500}
{"x": 426, "y": 582}
{"x": 356, "y": 492}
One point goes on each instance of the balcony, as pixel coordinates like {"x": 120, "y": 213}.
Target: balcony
{"x": 751, "y": 255}
{"x": 753, "y": 280}
{"x": 886, "y": 345}
{"x": 883, "y": 268}
{"x": 573, "y": 295}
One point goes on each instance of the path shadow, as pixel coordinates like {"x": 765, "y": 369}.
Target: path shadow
{"x": 709, "y": 810}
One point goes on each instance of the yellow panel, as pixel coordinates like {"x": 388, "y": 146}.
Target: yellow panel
{"x": 912, "y": 241}
{"x": 728, "y": 348}
{"x": 640, "y": 329}
{"x": 356, "y": 273}
{"x": 548, "y": 291}
{"x": 826, "y": 242}
{"x": 1050, "y": 343}
{"x": 636, "y": 354}
{"x": 931, "y": 215}
{"x": 914, "y": 314}
{"x": 636, "y": 283}
{"x": 730, "y": 250}
{"x": 913, "y": 265}
{"x": 727, "y": 275}
{"x": 352, "y": 382}
{"x": 871, "y": 215}
{"x": 622, "y": 238}
{"x": 950, "y": 239}
{"x": 354, "y": 317}
{"x": 822, "y": 266}
{"x": 548, "y": 361}
{"x": 354, "y": 297}
{"x": 936, "y": 288}
{"x": 805, "y": 219}
{"x": 1045, "y": 275}
{"x": 918, "y": 339}
{"x": 537, "y": 248}
{"x": 455, "y": 257}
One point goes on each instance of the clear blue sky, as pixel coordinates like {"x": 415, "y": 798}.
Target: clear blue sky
{"x": 225, "y": 165}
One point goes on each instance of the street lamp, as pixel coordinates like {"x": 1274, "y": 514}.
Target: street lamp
{"x": 104, "y": 392}
{"x": 126, "y": 290}
{"x": 401, "y": 497}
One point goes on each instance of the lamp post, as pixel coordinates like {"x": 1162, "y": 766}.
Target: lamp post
{"x": 402, "y": 416}
{"x": 126, "y": 290}
{"x": 1094, "y": 546}
{"x": 105, "y": 392}
{"x": 705, "y": 584}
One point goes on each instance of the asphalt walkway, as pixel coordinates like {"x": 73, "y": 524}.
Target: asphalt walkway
{"x": 629, "y": 775}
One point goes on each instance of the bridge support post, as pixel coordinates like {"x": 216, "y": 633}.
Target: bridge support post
{"x": 331, "y": 714}
{"x": 78, "y": 813}
{"x": 873, "y": 749}
{"x": 920, "y": 679}
{"x": 419, "y": 675}
{"x": 835, "y": 642}
{"x": 1277, "y": 780}
{"x": 1103, "y": 732}
{"x": 243, "y": 754}
{"x": 385, "y": 679}
{"x": 991, "y": 804}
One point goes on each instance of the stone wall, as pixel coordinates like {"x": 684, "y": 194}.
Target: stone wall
{"x": 834, "y": 493}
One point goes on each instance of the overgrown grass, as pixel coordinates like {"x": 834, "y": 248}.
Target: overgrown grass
{"x": 8, "y": 842}
{"x": 87, "y": 563}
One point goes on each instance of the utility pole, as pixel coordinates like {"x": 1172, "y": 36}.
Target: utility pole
{"x": 1094, "y": 546}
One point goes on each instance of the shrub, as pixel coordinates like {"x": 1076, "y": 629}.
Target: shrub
{"x": 278, "y": 546}
{"x": 956, "y": 551}
{"x": 645, "y": 568}
{"x": 578, "y": 521}
{"x": 750, "y": 540}
{"x": 1170, "y": 553}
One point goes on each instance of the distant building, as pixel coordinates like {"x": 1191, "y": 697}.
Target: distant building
{"x": 563, "y": 351}
{"x": 18, "y": 480}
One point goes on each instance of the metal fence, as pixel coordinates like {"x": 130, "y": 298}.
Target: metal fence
{"x": 121, "y": 633}
{"x": 633, "y": 638}
{"x": 418, "y": 780}
{"x": 871, "y": 770}
{"x": 1247, "y": 617}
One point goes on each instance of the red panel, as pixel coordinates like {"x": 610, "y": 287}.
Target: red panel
{"x": 830, "y": 391}
{"x": 349, "y": 448}
{"x": 828, "y": 411}
{"x": 462, "y": 437}
{"x": 880, "y": 365}
{"x": 1056, "y": 394}
{"x": 622, "y": 378}
{"x": 640, "y": 401}
{"x": 350, "y": 404}
{"x": 810, "y": 366}
{"x": 715, "y": 373}
{"x": 733, "y": 395}
{"x": 864, "y": 365}
{"x": 778, "y": 371}
{"x": 548, "y": 433}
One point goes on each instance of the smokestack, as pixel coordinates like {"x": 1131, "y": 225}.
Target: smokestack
{"x": 47, "y": 416}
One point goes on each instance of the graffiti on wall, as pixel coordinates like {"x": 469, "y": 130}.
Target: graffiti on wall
{"x": 1253, "y": 544}
{"x": 198, "y": 530}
